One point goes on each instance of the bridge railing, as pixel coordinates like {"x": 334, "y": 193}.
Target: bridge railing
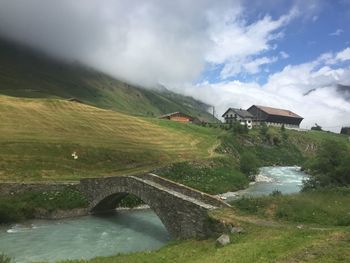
{"x": 206, "y": 198}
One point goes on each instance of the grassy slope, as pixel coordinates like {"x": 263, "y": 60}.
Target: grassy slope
{"x": 275, "y": 243}
{"x": 293, "y": 150}
{"x": 24, "y": 73}
{"x": 38, "y": 137}
{"x": 321, "y": 207}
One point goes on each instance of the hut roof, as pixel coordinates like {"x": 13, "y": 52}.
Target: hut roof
{"x": 278, "y": 112}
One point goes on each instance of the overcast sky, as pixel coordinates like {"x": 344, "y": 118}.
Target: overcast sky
{"x": 228, "y": 53}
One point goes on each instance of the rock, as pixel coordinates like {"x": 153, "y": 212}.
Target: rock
{"x": 223, "y": 240}
{"x": 237, "y": 230}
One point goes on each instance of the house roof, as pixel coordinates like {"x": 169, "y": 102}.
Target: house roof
{"x": 240, "y": 112}
{"x": 175, "y": 113}
{"x": 279, "y": 112}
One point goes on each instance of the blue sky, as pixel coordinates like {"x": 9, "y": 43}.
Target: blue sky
{"x": 319, "y": 29}
{"x": 227, "y": 53}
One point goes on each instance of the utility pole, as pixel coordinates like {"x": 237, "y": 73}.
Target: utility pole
{"x": 213, "y": 113}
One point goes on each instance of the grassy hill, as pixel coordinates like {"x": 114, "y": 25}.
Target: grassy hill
{"x": 27, "y": 73}
{"x": 38, "y": 137}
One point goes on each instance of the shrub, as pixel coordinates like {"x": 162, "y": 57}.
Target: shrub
{"x": 273, "y": 136}
{"x": 130, "y": 201}
{"x": 263, "y": 129}
{"x": 276, "y": 193}
{"x": 249, "y": 163}
{"x": 238, "y": 128}
{"x": 22, "y": 206}
{"x": 5, "y": 259}
{"x": 330, "y": 167}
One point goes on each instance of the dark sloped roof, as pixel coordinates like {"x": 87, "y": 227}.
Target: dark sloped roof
{"x": 278, "y": 112}
{"x": 240, "y": 112}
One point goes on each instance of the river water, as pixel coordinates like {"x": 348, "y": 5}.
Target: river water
{"x": 84, "y": 237}
{"x": 286, "y": 179}
{"x": 126, "y": 231}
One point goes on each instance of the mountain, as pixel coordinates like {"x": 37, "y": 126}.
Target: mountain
{"x": 342, "y": 90}
{"x": 25, "y": 72}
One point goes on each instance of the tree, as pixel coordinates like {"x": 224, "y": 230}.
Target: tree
{"x": 330, "y": 167}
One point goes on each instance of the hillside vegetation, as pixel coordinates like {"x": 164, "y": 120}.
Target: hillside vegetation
{"x": 38, "y": 137}
{"x": 26, "y": 73}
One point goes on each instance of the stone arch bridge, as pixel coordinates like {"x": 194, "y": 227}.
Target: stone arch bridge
{"x": 182, "y": 210}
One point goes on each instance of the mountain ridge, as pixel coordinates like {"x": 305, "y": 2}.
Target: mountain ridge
{"x": 25, "y": 72}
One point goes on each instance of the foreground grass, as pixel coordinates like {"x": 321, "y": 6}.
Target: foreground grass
{"x": 258, "y": 244}
{"x": 38, "y": 137}
{"x": 321, "y": 207}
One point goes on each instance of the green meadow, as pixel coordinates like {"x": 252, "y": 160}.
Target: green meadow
{"x": 39, "y": 136}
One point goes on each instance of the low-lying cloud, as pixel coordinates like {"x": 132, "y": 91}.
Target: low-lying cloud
{"x": 174, "y": 42}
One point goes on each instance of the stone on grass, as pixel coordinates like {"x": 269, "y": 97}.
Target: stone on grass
{"x": 223, "y": 240}
{"x": 236, "y": 230}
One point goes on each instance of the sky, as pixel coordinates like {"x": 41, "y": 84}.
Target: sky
{"x": 289, "y": 54}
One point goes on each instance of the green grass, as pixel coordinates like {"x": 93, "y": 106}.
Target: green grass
{"x": 23, "y": 206}
{"x": 259, "y": 244}
{"x": 321, "y": 207}
{"x": 214, "y": 176}
{"x": 38, "y": 137}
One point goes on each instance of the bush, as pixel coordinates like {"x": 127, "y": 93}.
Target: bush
{"x": 273, "y": 137}
{"x": 249, "y": 163}
{"x": 214, "y": 176}
{"x": 5, "y": 259}
{"x": 130, "y": 201}
{"x": 330, "y": 167}
{"x": 263, "y": 129}
{"x": 323, "y": 206}
{"x": 276, "y": 193}
{"x": 22, "y": 206}
{"x": 238, "y": 128}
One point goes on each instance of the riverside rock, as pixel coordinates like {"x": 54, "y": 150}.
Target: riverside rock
{"x": 223, "y": 240}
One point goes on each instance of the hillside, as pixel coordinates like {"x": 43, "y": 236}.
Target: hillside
{"x": 27, "y": 73}
{"x": 38, "y": 137}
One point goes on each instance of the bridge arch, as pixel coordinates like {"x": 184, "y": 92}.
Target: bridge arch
{"x": 182, "y": 215}
{"x": 108, "y": 201}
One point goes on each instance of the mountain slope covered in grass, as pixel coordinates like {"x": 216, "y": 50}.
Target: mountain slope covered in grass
{"x": 39, "y": 136}
{"x": 27, "y": 73}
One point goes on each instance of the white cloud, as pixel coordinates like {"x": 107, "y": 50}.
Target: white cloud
{"x": 343, "y": 55}
{"x": 236, "y": 42}
{"x": 286, "y": 89}
{"x": 284, "y": 54}
{"x": 337, "y": 32}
